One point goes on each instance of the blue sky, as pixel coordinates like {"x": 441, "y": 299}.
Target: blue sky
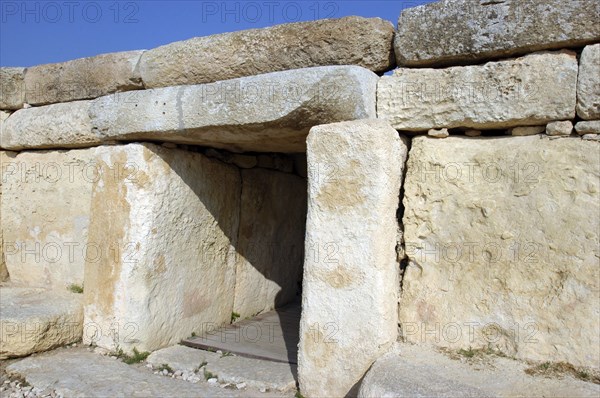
{"x": 38, "y": 32}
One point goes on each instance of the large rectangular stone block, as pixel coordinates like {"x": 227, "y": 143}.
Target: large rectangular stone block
{"x": 588, "y": 83}
{"x": 166, "y": 225}
{"x": 271, "y": 241}
{"x": 45, "y": 206}
{"x": 350, "y": 284}
{"x": 266, "y": 113}
{"x": 65, "y": 125}
{"x": 470, "y": 31}
{"x": 531, "y": 90}
{"x": 365, "y": 42}
{"x": 83, "y": 78}
{"x": 12, "y": 88}
{"x": 503, "y": 246}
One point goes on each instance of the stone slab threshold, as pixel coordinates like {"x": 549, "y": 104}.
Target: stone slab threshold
{"x": 80, "y": 373}
{"x": 271, "y": 336}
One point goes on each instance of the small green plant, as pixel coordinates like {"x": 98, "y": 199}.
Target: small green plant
{"x": 203, "y": 364}
{"x": 194, "y": 334}
{"x": 208, "y": 375}
{"x": 298, "y": 395}
{"x": 234, "y": 316}
{"x": 226, "y": 354}
{"x": 75, "y": 288}
{"x": 470, "y": 353}
{"x": 131, "y": 359}
{"x": 166, "y": 367}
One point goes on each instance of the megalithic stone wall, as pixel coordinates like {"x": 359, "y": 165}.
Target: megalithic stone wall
{"x": 501, "y": 236}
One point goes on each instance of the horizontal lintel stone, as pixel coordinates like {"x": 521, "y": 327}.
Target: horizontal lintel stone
{"x": 266, "y": 113}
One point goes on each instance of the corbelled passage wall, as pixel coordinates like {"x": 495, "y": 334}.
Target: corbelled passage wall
{"x": 454, "y": 201}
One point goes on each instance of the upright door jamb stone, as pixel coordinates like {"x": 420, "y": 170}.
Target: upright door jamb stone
{"x": 350, "y": 282}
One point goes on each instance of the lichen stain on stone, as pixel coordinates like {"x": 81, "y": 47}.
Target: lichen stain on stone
{"x": 110, "y": 220}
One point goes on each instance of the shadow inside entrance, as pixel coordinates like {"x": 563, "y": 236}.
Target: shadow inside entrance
{"x": 272, "y": 336}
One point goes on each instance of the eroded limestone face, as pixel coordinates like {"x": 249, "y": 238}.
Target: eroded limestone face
{"x": 466, "y": 31}
{"x": 83, "y": 78}
{"x": 502, "y": 240}
{"x": 167, "y": 221}
{"x": 350, "y": 269}
{"x": 528, "y": 91}
{"x": 12, "y": 88}
{"x": 45, "y": 206}
{"x": 365, "y": 42}
{"x": 65, "y": 125}
{"x": 588, "y": 83}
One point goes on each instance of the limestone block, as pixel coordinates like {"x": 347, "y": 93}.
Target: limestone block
{"x": 591, "y": 127}
{"x": 503, "y": 246}
{"x": 527, "y": 130}
{"x": 470, "y": 31}
{"x": 531, "y": 90}
{"x": 365, "y": 42}
{"x": 267, "y": 113}
{"x": 588, "y": 83}
{"x": 350, "y": 271}
{"x": 168, "y": 226}
{"x": 83, "y": 78}
{"x": 12, "y": 90}
{"x": 271, "y": 241}
{"x": 34, "y": 320}
{"x": 564, "y": 127}
{"x": 65, "y": 125}
{"x": 45, "y": 206}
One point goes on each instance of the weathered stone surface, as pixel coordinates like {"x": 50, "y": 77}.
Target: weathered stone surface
{"x": 83, "y": 78}
{"x": 592, "y": 137}
{"x": 417, "y": 371}
{"x": 65, "y": 125}
{"x": 34, "y": 320}
{"x": 180, "y": 357}
{"x": 365, "y": 42}
{"x": 527, "y": 130}
{"x": 531, "y": 90}
{"x": 393, "y": 376}
{"x": 73, "y": 373}
{"x": 255, "y": 373}
{"x": 559, "y": 128}
{"x": 12, "y": 89}
{"x": 591, "y": 127}
{"x": 266, "y": 113}
{"x": 3, "y": 159}
{"x": 441, "y": 133}
{"x": 588, "y": 83}
{"x": 485, "y": 223}
{"x": 350, "y": 268}
{"x": 469, "y": 31}
{"x": 45, "y": 205}
{"x": 168, "y": 263}
{"x": 270, "y": 245}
